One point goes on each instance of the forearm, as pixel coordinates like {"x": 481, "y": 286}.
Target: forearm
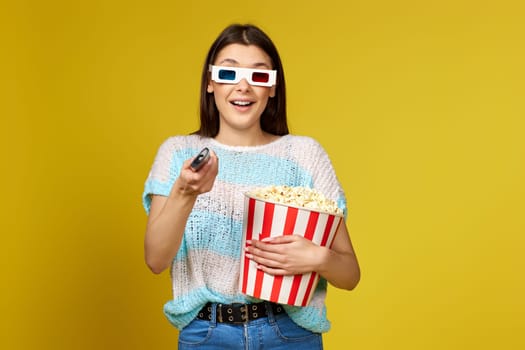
{"x": 165, "y": 230}
{"x": 168, "y": 215}
{"x": 340, "y": 269}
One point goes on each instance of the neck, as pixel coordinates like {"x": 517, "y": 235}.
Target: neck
{"x": 243, "y": 138}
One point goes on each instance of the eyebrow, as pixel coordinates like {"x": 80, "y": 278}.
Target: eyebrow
{"x": 255, "y": 65}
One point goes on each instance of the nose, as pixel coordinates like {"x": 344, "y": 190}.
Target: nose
{"x": 243, "y": 84}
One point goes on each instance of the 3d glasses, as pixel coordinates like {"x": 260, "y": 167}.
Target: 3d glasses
{"x": 233, "y": 75}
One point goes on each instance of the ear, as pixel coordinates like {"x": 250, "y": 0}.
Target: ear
{"x": 209, "y": 88}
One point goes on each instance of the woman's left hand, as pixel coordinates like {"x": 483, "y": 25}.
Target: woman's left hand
{"x": 285, "y": 255}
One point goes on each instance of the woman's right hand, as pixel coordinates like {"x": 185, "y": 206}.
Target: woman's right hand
{"x": 193, "y": 183}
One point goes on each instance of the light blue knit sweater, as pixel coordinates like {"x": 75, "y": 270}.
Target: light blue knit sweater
{"x": 207, "y": 265}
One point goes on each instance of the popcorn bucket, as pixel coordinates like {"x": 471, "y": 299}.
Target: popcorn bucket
{"x": 264, "y": 219}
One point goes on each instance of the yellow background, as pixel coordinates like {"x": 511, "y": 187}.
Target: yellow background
{"x": 420, "y": 105}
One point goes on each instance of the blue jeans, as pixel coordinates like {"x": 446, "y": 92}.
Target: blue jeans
{"x": 272, "y": 332}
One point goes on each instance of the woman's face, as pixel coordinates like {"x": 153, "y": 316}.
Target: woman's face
{"x": 241, "y": 105}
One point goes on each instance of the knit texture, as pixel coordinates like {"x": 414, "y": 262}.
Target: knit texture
{"x": 207, "y": 265}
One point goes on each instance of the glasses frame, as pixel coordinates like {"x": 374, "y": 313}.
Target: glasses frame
{"x": 243, "y": 73}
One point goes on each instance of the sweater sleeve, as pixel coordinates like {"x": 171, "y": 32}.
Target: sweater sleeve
{"x": 164, "y": 171}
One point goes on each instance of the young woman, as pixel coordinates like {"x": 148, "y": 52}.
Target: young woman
{"x": 195, "y": 216}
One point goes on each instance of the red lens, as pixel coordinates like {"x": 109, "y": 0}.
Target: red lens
{"x": 260, "y": 77}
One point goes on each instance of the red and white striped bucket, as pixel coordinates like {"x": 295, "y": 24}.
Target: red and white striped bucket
{"x": 264, "y": 219}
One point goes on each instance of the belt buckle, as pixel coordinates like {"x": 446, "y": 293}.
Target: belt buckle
{"x": 245, "y": 317}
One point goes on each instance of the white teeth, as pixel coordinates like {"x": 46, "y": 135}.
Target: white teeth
{"x": 241, "y": 103}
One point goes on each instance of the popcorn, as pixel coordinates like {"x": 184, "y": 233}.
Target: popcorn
{"x": 303, "y": 197}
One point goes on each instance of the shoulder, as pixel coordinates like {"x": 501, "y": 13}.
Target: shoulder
{"x": 181, "y": 142}
{"x": 305, "y": 142}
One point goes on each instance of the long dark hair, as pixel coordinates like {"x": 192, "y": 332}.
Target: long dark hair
{"x": 273, "y": 119}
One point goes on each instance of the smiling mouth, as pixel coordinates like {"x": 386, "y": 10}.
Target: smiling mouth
{"x": 241, "y": 103}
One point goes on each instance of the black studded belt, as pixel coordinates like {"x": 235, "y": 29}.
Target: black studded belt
{"x": 239, "y": 313}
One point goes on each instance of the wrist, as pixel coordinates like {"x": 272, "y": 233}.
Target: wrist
{"x": 182, "y": 195}
{"x": 182, "y": 191}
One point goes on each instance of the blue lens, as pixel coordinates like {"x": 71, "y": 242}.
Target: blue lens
{"x": 226, "y": 74}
